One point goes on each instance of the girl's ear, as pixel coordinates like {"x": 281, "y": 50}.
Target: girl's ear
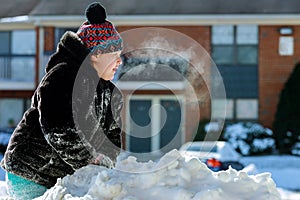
{"x": 93, "y": 57}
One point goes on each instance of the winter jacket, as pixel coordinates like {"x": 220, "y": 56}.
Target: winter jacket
{"x": 74, "y": 116}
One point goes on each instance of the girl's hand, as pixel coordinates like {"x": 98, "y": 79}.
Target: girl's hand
{"x": 103, "y": 160}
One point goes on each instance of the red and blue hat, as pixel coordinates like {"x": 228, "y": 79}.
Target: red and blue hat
{"x": 98, "y": 34}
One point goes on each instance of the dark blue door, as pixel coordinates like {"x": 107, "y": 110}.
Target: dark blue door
{"x": 170, "y": 134}
{"x": 140, "y": 126}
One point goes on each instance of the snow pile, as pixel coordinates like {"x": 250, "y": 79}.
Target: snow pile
{"x": 170, "y": 178}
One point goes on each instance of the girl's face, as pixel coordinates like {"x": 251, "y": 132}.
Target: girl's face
{"x": 107, "y": 64}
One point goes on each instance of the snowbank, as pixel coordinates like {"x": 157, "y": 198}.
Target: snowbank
{"x": 170, "y": 178}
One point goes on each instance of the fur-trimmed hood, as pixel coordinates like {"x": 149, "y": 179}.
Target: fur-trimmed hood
{"x": 71, "y": 48}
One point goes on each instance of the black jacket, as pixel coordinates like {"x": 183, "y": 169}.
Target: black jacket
{"x": 73, "y": 117}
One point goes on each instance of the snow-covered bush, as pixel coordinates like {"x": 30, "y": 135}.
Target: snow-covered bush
{"x": 5, "y": 134}
{"x": 250, "y": 138}
{"x": 296, "y": 149}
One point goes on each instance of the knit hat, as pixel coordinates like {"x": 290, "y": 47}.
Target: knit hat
{"x": 98, "y": 34}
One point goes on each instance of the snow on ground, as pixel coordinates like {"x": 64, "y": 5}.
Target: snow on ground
{"x": 133, "y": 180}
{"x": 170, "y": 178}
{"x": 284, "y": 169}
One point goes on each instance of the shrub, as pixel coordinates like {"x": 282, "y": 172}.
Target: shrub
{"x": 286, "y": 124}
{"x": 250, "y": 138}
{"x": 296, "y": 149}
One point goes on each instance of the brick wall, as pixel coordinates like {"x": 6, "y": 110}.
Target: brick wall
{"x": 274, "y": 70}
{"x": 200, "y": 34}
{"x": 49, "y": 39}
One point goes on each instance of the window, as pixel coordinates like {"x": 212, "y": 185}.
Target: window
{"x": 247, "y": 108}
{"x": 5, "y": 43}
{"x": 17, "y": 56}
{"x": 235, "y": 45}
{"x": 219, "y": 108}
{"x": 12, "y": 111}
{"x": 235, "y": 52}
{"x": 236, "y": 109}
{"x": 23, "y": 42}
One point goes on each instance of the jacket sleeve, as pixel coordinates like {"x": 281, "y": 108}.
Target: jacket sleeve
{"x": 56, "y": 118}
{"x": 113, "y": 123}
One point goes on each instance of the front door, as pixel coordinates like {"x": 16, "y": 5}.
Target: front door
{"x": 154, "y": 123}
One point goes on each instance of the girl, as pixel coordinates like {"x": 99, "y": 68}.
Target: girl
{"x": 74, "y": 118}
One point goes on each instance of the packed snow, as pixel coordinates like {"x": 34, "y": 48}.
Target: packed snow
{"x": 172, "y": 177}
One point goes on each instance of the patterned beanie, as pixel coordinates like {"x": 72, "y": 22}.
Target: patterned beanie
{"x": 98, "y": 34}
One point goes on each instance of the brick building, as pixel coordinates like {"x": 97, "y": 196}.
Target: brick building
{"x": 254, "y": 45}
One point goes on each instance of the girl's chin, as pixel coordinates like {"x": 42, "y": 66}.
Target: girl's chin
{"x": 107, "y": 78}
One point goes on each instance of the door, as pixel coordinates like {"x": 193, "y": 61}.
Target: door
{"x": 140, "y": 126}
{"x": 171, "y": 133}
{"x": 155, "y": 123}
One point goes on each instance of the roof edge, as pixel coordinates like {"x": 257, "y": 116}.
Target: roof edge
{"x": 164, "y": 20}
